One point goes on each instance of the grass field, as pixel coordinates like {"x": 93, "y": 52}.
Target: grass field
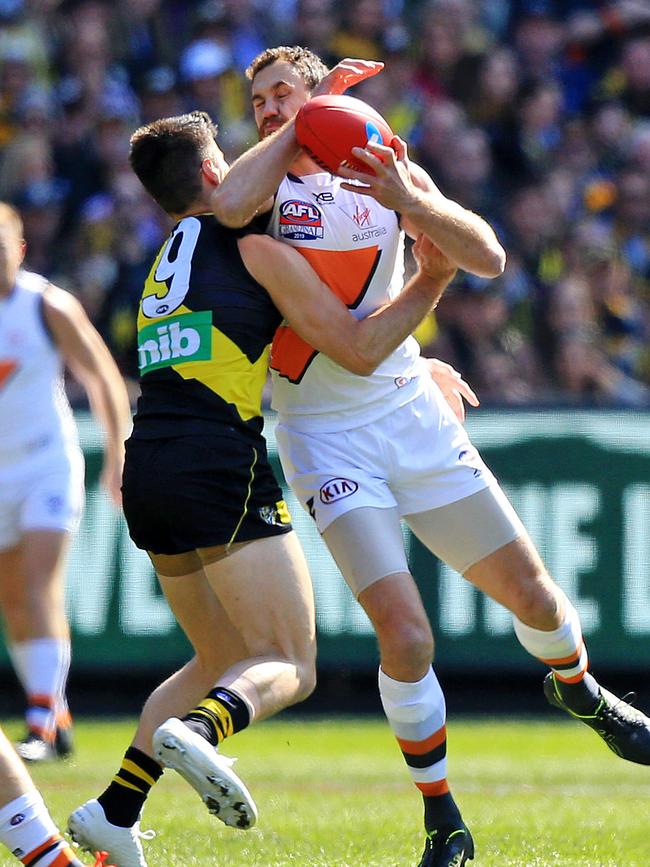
{"x": 335, "y": 792}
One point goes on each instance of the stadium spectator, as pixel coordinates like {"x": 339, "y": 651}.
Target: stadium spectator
{"x": 554, "y": 86}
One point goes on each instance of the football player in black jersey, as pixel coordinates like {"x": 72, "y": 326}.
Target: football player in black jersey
{"x": 199, "y": 494}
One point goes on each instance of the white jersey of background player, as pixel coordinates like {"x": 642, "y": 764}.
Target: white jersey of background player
{"x": 359, "y": 476}
{"x": 43, "y": 328}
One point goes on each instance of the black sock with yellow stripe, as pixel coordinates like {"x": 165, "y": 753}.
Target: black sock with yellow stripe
{"x": 221, "y": 714}
{"x": 123, "y": 799}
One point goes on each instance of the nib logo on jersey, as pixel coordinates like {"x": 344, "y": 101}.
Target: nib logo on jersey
{"x": 300, "y": 221}
{"x": 177, "y": 340}
{"x": 337, "y": 489}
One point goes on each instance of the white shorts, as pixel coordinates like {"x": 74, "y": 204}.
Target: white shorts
{"x": 42, "y": 489}
{"x": 414, "y": 459}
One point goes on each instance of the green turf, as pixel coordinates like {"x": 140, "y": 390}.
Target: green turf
{"x": 335, "y": 792}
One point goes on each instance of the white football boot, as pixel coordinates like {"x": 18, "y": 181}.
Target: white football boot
{"x": 91, "y": 830}
{"x": 197, "y": 761}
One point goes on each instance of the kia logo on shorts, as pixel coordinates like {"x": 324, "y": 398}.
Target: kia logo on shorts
{"x": 337, "y": 489}
{"x": 17, "y": 819}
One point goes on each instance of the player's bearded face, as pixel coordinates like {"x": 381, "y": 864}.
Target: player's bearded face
{"x": 278, "y": 93}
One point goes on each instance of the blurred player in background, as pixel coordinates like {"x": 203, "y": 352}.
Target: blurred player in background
{"x": 199, "y": 494}
{"x": 26, "y": 827}
{"x": 43, "y": 329}
{"x": 362, "y": 453}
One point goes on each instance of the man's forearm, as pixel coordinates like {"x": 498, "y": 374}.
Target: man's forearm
{"x": 382, "y": 331}
{"x": 463, "y": 236}
{"x": 254, "y": 178}
{"x": 110, "y": 405}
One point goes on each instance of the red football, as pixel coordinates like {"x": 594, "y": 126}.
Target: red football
{"x": 328, "y": 127}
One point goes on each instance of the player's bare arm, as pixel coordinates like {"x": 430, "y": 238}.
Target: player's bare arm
{"x": 467, "y": 239}
{"x": 253, "y": 179}
{"x": 86, "y": 355}
{"x": 321, "y": 318}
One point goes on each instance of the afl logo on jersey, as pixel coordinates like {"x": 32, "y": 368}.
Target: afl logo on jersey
{"x": 300, "y": 221}
{"x": 337, "y": 489}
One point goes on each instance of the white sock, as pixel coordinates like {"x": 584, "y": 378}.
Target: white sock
{"x": 26, "y": 825}
{"x": 417, "y": 713}
{"x": 562, "y": 649}
{"x": 42, "y": 665}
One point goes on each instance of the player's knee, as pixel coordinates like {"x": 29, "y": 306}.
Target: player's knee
{"x": 306, "y": 680}
{"x": 409, "y": 643}
{"x": 16, "y": 609}
{"x": 534, "y": 602}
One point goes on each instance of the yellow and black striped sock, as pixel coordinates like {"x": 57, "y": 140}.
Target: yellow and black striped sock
{"x": 123, "y": 799}
{"x": 221, "y": 714}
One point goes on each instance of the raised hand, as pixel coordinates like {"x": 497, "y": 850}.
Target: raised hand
{"x": 389, "y": 182}
{"x": 345, "y": 74}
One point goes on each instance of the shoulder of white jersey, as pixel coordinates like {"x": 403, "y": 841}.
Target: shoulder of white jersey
{"x": 31, "y": 281}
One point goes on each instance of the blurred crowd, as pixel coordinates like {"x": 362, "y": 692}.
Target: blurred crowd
{"x": 535, "y": 114}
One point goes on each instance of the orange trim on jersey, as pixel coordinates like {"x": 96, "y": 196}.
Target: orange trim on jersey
{"x": 419, "y": 748}
{"x": 433, "y": 790}
{"x": 7, "y": 368}
{"x": 576, "y": 679}
{"x": 348, "y": 274}
{"x": 35, "y": 853}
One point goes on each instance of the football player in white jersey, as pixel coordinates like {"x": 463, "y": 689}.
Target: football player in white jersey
{"x": 42, "y": 329}
{"x": 361, "y": 453}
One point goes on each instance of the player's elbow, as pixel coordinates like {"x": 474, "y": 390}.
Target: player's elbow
{"x": 228, "y": 211}
{"x": 364, "y": 363}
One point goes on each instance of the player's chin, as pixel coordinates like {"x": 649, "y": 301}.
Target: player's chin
{"x": 266, "y": 131}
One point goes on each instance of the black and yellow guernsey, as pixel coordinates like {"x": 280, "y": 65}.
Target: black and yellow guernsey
{"x": 204, "y": 329}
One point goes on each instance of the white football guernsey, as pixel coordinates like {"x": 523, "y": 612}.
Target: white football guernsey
{"x": 34, "y": 409}
{"x": 356, "y": 247}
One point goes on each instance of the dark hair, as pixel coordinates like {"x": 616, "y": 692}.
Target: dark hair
{"x": 166, "y": 156}
{"x": 309, "y": 65}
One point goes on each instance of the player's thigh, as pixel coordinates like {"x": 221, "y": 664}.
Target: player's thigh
{"x": 265, "y": 588}
{"x": 467, "y": 531}
{"x": 11, "y": 577}
{"x": 515, "y": 576}
{"x": 55, "y": 496}
{"x": 483, "y": 539}
{"x": 32, "y": 572}
{"x": 367, "y": 545}
{"x": 202, "y": 617}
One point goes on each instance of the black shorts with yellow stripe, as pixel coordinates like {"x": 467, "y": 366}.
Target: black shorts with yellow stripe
{"x": 197, "y": 491}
